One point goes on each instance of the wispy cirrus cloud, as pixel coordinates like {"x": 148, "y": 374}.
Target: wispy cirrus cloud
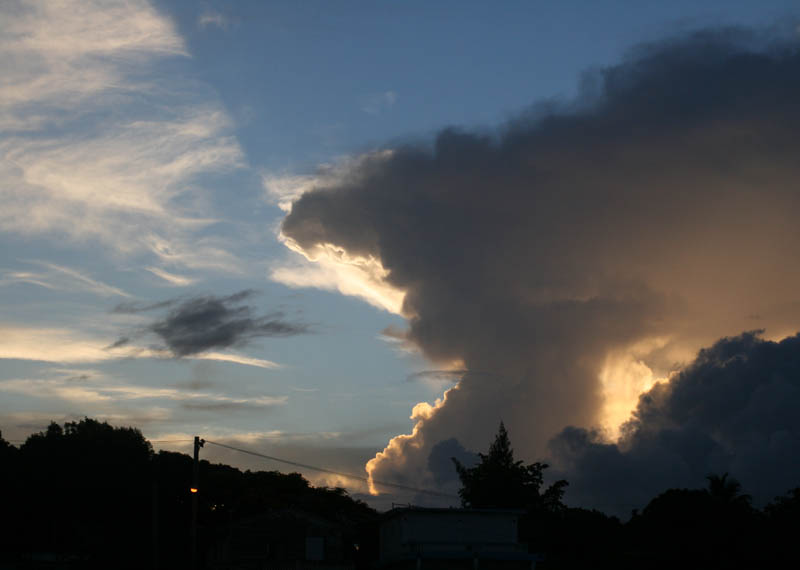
{"x": 61, "y": 278}
{"x": 70, "y": 346}
{"x": 171, "y": 278}
{"x": 436, "y": 377}
{"x": 51, "y": 44}
{"x": 236, "y": 359}
{"x": 377, "y": 103}
{"x": 93, "y": 387}
{"x": 18, "y": 425}
{"x": 209, "y": 18}
{"x": 332, "y": 450}
{"x": 102, "y": 136}
{"x": 50, "y": 344}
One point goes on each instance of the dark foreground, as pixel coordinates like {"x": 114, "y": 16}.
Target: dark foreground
{"x": 88, "y": 495}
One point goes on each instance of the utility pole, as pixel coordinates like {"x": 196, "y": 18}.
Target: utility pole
{"x": 195, "y": 489}
{"x": 155, "y": 471}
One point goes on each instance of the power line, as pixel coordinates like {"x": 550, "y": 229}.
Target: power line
{"x": 150, "y": 440}
{"x": 341, "y": 474}
{"x": 332, "y": 472}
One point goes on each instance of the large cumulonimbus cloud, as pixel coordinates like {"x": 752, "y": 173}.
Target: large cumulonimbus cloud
{"x": 583, "y": 251}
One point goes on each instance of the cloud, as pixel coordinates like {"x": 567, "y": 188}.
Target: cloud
{"x": 236, "y": 359}
{"x": 195, "y": 252}
{"x": 437, "y": 376}
{"x": 97, "y": 388}
{"x": 581, "y": 251}
{"x": 377, "y": 103}
{"x": 329, "y": 450}
{"x": 197, "y": 325}
{"x": 134, "y": 307}
{"x": 102, "y": 137}
{"x": 331, "y": 269}
{"x": 50, "y": 345}
{"x": 68, "y": 346}
{"x": 733, "y": 409}
{"x": 209, "y": 18}
{"x": 283, "y": 190}
{"x": 171, "y": 278}
{"x": 61, "y": 278}
{"x": 19, "y": 425}
{"x": 440, "y": 461}
{"x": 325, "y": 266}
{"x": 227, "y": 406}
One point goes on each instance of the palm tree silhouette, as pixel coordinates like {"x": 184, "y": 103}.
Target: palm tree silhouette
{"x": 727, "y": 490}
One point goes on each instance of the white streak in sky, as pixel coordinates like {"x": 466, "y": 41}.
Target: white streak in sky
{"x": 101, "y": 389}
{"x": 101, "y": 135}
{"x": 236, "y": 359}
{"x": 210, "y": 18}
{"x": 171, "y": 278}
{"x": 60, "y": 345}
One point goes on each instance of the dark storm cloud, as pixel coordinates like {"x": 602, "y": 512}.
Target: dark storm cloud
{"x": 440, "y": 460}
{"x": 734, "y": 409}
{"x": 204, "y": 323}
{"x": 662, "y": 205}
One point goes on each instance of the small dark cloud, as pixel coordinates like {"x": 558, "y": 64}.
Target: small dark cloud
{"x": 199, "y": 324}
{"x": 120, "y": 342}
{"x": 393, "y": 332}
{"x": 134, "y": 307}
{"x": 78, "y": 378}
{"x": 204, "y": 376}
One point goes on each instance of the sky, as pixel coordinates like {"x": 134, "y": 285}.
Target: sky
{"x": 358, "y": 235}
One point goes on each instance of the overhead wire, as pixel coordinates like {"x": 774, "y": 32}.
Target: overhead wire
{"x": 333, "y": 472}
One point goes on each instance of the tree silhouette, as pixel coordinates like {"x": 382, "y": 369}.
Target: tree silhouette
{"x": 92, "y": 495}
{"x": 96, "y": 496}
{"x": 87, "y": 492}
{"x": 781, "y": 529}
{"x": 727, "y": 490}
{"x": 500, "y": 481}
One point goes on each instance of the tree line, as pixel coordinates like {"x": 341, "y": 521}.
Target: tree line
{"x": 91, "y": 495}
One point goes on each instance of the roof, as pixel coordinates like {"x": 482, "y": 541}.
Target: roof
{"x": 449, "y": 510}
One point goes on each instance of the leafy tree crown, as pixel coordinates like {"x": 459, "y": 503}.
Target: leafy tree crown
{"x": 500, "y": 481}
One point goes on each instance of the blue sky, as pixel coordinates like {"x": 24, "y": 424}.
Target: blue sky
{"x": 148, "y": 153}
